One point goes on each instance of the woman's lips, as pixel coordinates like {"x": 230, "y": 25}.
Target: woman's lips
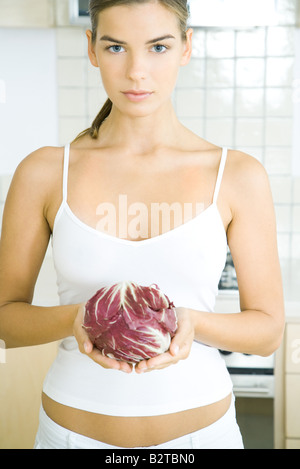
{"x": 137, "y": 96}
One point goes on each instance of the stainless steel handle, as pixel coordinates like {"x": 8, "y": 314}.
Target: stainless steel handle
{"x": 251, "y": 390}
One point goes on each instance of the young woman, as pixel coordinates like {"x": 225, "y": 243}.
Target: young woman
{"x": 137, "y": 148}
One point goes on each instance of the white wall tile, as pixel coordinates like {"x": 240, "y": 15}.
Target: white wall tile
{"x": 190, "y": 103}
{"x": 96, "y": 99}
{"x": 220, "y": 43}
{"x": 283, "y": 218}
{"x": 280, "y": 41}
{"x": 199, "y": 41}
{"x": 296, "y": 190}
{"x": 279, "y": 102}
{"x": 279, "y": 132}
{"x": 192, "y": 75}
{"x": 251, "y": 43}
{"x": 281, "y": 189}
{"x": 195, "y": 125}
{"x": 250, "y": 72}
{"x": 296, "y": 219}
{"x": 71, "y": 72}
{"x": 220, "y": 131}
{"x": 71, "y": 42}
{"x": 93, "y": 76}
{"x": 70, "y": 127}
{"x": 249, "y": 132}
{"x": 220, "y": 102}
{"x": 220, "y": 73}
{"x": 5, "y": 181}
{"x": 250, "y": 102}
{"x": 278, "y": 160}
{"x": 72, "y": 102}
{"x": 284, "y": 246}
{"x": 280, "y": 71}
{"x": 295, "y": 248}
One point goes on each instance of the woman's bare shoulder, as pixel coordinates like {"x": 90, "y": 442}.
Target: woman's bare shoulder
{"x": 41, "y": 167}
{"x": 245, "y": 177}
{"x": 42, "y": 158}
{"x": 38, "y": 174}
{"x": 245, "y": 169}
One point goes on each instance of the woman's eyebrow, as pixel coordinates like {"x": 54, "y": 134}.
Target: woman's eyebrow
{"x": 152, "y": 41}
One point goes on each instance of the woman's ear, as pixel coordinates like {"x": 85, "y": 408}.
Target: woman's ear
{"x": 187, "y": 51}
{"x": 91, "y": 51}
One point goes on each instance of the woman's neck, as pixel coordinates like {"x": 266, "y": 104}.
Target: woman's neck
{"x": 141, "y": 135}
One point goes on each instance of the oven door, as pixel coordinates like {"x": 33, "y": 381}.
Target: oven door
{"x": 252, "y": 376}
{"x": 253, "y": 387}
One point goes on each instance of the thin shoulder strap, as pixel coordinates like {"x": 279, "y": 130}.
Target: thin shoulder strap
{"x": 66, "y": 172}
{"x": 220, "y": 174}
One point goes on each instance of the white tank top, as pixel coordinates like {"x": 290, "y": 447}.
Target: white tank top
{"x": 186, "y": 263}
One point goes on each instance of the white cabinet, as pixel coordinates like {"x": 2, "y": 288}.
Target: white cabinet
{"x": 27, "y": 13}
{"x": 292, "y": 386}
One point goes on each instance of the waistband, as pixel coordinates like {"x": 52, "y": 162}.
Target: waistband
{"x": 54, "y": 436}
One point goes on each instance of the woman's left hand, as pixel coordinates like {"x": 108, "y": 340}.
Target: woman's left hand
{"x": 180, "y": 346}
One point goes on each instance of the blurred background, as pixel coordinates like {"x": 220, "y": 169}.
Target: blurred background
{"x": 241, "y": 90}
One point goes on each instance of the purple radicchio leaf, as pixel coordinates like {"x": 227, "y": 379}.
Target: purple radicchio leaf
{"x": 130, "y": 322}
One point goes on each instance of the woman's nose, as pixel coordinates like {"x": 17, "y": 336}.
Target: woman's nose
{"x": 136, "y": 67}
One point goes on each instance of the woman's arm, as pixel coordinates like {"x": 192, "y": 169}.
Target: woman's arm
{"x": 252, "y": 238}
{"x": 24, "y": 240}
{"x": 23, "y": 244}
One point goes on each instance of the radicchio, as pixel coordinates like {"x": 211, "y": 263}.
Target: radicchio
{"x": 130, "y": 322}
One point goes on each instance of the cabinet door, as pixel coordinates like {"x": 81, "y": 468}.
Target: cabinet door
{"x": 292, "y": 444}
{"x": 28, "y": 13}
{"x": 292, "y": 358}
{"x": 292, "y": 407}
{"x": 21, "y": 376}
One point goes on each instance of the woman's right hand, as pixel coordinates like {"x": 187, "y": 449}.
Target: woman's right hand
{"x": 86, "y": 346}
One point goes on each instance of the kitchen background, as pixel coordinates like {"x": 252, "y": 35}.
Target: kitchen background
{"x": 241, "y": 90}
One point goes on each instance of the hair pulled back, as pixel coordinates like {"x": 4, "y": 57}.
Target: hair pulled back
{"x": 178, "y": 7}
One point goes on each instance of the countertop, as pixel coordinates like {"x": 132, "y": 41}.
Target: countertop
{"x": 229, "y": 301}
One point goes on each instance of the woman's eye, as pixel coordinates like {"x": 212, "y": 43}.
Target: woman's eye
{"x": 159, "y": 48}
{"x": 116, "y": 49}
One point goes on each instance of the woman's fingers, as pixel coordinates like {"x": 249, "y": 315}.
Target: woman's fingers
{"x": 180, "y": 346}
{"x": 87, "y": 348}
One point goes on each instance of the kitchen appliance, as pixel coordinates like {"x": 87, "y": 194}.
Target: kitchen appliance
{"x": 252, "y": 375}
{"x": 254, "y": 389}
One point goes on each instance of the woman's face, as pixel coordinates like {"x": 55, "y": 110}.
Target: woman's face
{"x": 139, "y": 50}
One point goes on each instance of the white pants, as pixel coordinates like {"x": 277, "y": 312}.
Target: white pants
{"x": 223, "y": 434}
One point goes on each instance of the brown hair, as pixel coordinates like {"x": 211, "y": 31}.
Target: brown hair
{"x": 178, "y": 7}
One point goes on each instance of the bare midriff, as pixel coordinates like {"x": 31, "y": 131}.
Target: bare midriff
{"x": 130, "y": 432}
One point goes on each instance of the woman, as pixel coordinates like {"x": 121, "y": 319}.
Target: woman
{"x": 138, "y": 148}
